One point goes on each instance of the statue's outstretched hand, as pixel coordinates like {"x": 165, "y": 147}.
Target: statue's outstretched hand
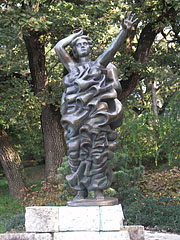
{"x": 128, "y": 21}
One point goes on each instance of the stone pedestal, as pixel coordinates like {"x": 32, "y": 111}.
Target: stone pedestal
{"x": 76, "y": 223}
{"x": 66, "y": 223}
{"x": 120, "y": 235}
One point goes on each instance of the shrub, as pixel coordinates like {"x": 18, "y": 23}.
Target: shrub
{"x": 126, "y": 174}
{"x": 154, "y": 201}
{"x": 165, "y": 183}
{"x": 159, "y": 214}
{"x": 15, "y": 223}
{"x": 150, "y": 141}
{"x": 47, "y": 195}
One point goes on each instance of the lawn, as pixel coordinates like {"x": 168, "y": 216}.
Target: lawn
{"x": 11, "y": 209}
{"x": 9, "y": 206}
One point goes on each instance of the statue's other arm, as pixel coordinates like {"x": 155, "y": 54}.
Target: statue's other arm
{"x": 109, "y": 53}
{"x": 64, "y": 57}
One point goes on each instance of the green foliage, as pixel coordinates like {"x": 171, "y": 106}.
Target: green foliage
{"x": 154, "y": 201}
{"x": 19, "y": 105}
{"x": 153, "y": 213}
{"x": 20, "y": 115}
{"x": 11, "y": 211}
{"x": 150, "y": 141}
{"x": 53, "y": 20}
{"x": 126, "y": 172}
{"x": 15, "y": 223}
{"x": 166, "y": 183}
{"x": 7, "y": 203}
{"x": 63, "y": 171}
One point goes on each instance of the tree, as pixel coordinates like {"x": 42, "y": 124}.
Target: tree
{"x": 36, "y": 23}
{"x": 155, "y": 18}
{"x": 33, "y": 27}
{"x": 50, "y": 117}
{"x": 12, "y": 165}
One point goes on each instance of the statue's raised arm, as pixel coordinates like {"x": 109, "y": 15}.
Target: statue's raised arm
{"x": 63, "y": 55}
{"x": 109, "y": 53}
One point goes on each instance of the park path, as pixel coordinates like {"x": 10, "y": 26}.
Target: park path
{"x": 160, "y": 236}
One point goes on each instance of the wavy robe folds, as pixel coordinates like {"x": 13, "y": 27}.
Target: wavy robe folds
{"x": 90, "y": 113}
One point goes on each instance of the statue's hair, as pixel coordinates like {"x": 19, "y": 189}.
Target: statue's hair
{"x": 73, "y": 44}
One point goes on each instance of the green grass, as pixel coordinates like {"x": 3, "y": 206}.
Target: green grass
{"x": 8, "y": 206}
{"x": 11, "y": 211}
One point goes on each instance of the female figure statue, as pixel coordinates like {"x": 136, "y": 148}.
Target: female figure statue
{"x": 90, "y": 111}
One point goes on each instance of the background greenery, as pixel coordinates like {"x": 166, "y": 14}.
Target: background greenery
{"x": 147, "y": 162}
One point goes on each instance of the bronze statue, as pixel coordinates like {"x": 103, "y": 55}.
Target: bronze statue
{"x": 90, "y": 111}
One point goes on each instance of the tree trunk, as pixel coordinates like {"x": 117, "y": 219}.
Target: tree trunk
{"x": 12, "y": 166}
{"x": 53, "y": 141}
{"x": 154, "y": 98}
{"x": 50, "y": 119}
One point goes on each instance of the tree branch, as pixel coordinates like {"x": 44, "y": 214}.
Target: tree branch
{"x": 145, "y": 42}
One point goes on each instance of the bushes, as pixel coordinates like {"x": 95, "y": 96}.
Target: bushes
{"x": 148, "y": 140}
{"x": 158, "y": 214}
{"x": 15, "y": 223}
{"x": 166, "y": 183}
{"x": 125, "y": 174}
{"x": 154, "y": 202}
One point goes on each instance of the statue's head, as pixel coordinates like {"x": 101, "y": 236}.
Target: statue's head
{"x": 81, "y": 46}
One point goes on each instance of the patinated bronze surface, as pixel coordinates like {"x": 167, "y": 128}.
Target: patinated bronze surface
{"x": 90, "y": 114}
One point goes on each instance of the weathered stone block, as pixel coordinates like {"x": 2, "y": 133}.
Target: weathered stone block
{"x": 17, "y": 236}
{"x": 111, "y": 218}
{"x": 41, "y": 219}
{"x": 123, "y": 235}
{"x": 78, "y": 218}
{"x": 26, "y": 236}
{"x": 135, "y": 232}
{"x": 76, "y": 236}
{"x": 43, "y": 236}
{"x": 53, "y": 219}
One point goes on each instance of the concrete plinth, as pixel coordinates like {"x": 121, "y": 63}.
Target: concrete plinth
{"x": 62, "y": 219}
{"x": 42, "y": 219}
{"x": 119, "y": 235}
{"x": 111, "y": 218}
{"x": 76, "y": 223}
{"x": 76, "y": 219}
{"x": 135, "y": 232}
{"x": 26, "y": 236}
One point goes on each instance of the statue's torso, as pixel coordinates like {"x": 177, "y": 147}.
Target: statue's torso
{"x": 90, "y": 113}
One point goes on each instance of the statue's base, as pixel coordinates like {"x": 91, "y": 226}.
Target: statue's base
{"x": 73, "y": 219}
{"x": 93, "y": 202}
{"x": 76, "y": 223}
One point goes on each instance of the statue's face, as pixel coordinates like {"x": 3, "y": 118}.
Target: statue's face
{"x": 82, "y": 48}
